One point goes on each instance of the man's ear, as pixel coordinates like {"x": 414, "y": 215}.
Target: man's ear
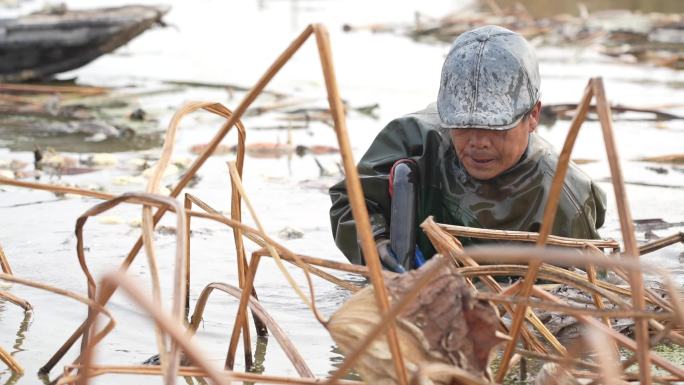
{"x": 534, "y": 116}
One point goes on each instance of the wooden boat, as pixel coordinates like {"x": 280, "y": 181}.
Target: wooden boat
{"x": 45, "y": 43}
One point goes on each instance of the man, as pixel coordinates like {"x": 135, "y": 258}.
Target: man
{"x": 478, "y": 160}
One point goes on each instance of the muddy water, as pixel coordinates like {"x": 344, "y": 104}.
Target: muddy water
{"x": 234, "y": 42}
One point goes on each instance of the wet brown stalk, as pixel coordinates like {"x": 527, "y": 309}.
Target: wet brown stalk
{"x": 190, "y": 200}
{"x": 262, "y": 240}
{"x": 214, "y": 108}
{"x": 619, "y": 338}
{"x": 254, "y": 305}
{"x": 626, "y": 226}
{"x": 237, "y": 183}
{"x": 187, "y": 205}
{"x": 318, "y": 272}
{"x": 547, "y": 224}
{"x": 240, "y": 316}
{"x": 526, "y": 255}
{"x": 356, "y": 198}
{"x": 607, "y": 357}
{"x": 425, "y": 372}
{"x": 660, "y": 243}
{"x": 547, "y": 273}
{"x": 449, "y": 246}
{"x": 191, "y": 371}
{"x": 566, "y": 361}
{"x": 353, "y": 184}
{"x": 11, "y": 363}
{"x": 573, "y": 310}
{"x": 16, "y": 300}
{"x": 525, "y": 236}
{"x": 179, "y": 274}
{"x": 168, "y": 325}
{"x": 4, "y": 262}
{"x": 52, "y": 89}
{"x": 247, "y": 345}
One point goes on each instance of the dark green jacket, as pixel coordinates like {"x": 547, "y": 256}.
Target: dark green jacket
{"x": 513, "y": 200}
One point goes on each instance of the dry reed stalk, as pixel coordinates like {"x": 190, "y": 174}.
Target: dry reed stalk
{"x": 525, "y": 236}
{"x": 355, "y": 195}
{"x": 242, "y": 309}
{"x": 565, "y": 360}
{"x": 353, "y": 184}
{"x": 675, "y": 300}
{"x": 214, "y": 108}
{"x": 262, "y": 240}
{"x": 148, "y": 223}
{"x": 52, "y": 89}
{"x": 560, "y": 257}
{"x": 626, "y": 226}
{"x": 339, "y": 266}
{"x": 628, "y": 377}
{"x": 425, "y": 372}
{"x": 448, "y": 245}
{"x": 598, "y": 302}
{"x": 11, "y": 363}
{"x": 547, "y": 223}
{"x": 352, "y": 180}
{"x": 58, "y": 291}
{"x": 187, "y": 205}
{"x": 56, "y": 188}
{"x": 317, "y": 272}
{"x": 619, "y": 338}
{"x": 16, "y": 300}
{"x": 572, "y": 310}
{"x": 651, "y": 296}
{"x": 656, "y": 339}
{"x": 545, "y": 272}
{"x": 190, "y": 200}
{"x": 4, "y": 262}
{"x": 237, "y": 183}
{"x": 191, "y": 371}
{"x": 278, "y": 333}
{"x": 660, "y": 243}
{"x": 236, "y": 215}
{"x": 41, "y": 286}
{"x": 607, "y": 358}
{"x": 180, "y": 262}
{"x": 169, "y": 325}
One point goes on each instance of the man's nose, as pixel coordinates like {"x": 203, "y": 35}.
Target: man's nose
{"x": 479, "y": 138}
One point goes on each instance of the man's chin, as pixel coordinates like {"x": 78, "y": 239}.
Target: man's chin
{"x": 482, "y": 173}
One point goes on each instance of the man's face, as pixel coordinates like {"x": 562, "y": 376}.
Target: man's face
{"x": 486, "y": 154}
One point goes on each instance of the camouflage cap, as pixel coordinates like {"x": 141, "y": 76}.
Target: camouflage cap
{"x": 490, "y": 79}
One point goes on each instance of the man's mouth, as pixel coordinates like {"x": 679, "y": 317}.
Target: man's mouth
{"x": 482, "y": 161}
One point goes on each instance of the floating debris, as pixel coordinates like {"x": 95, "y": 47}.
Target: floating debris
{"x": 653, "y": 38}
{"x": 221, "y": 149}
{"x": 654, "y": 224}
{"x": 550, "y": 113}
{"x": 290, "y": 233}
{"x": 674, "y": 159}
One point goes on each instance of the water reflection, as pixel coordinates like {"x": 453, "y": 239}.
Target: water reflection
{"x": 336, "y": 359}
{"x": 17, "y": 347}
{"x": 259, "y": 355}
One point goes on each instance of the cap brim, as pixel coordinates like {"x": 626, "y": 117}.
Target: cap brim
{"x": 486, "y": 127}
